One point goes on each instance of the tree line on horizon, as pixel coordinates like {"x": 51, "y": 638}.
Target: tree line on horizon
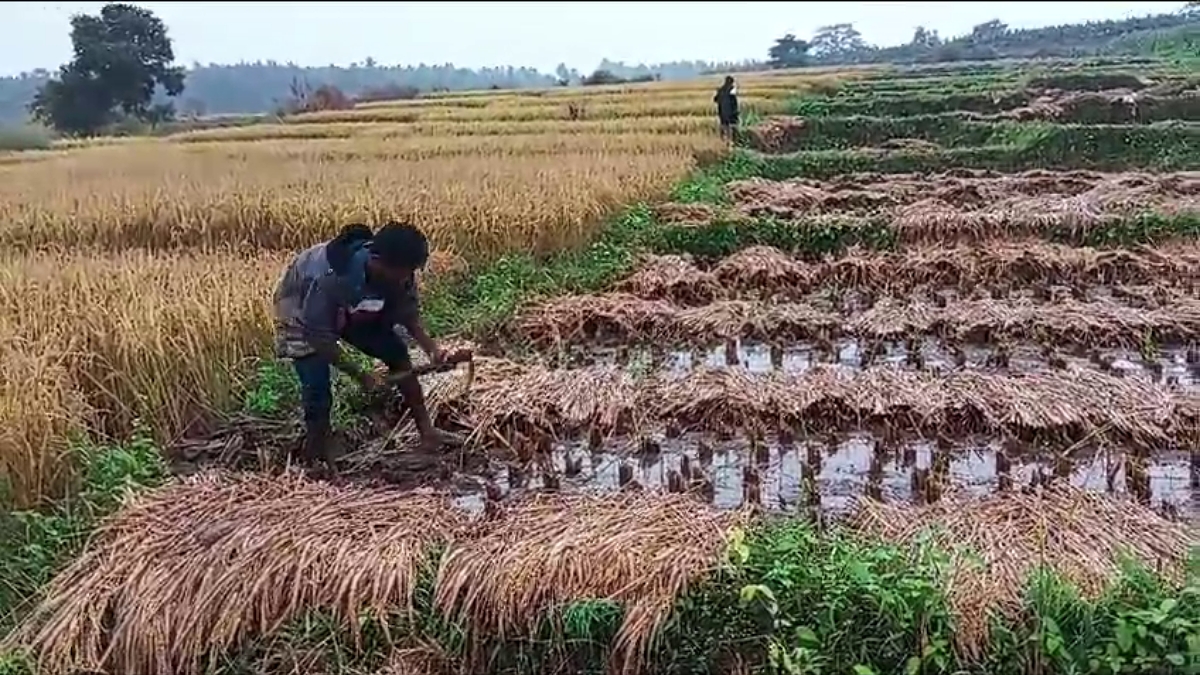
{"x": 123, "y": 67}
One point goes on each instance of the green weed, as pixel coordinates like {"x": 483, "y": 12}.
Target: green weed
{"x": 38, "y": 543}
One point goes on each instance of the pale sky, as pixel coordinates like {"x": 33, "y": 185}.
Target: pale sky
{"x": 474, "y": 34}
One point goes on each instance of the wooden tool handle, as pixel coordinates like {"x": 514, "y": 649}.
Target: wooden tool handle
{"x": 452, "y": 360}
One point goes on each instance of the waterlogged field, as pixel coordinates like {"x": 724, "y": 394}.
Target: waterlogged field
{"x": 909, "y": 382}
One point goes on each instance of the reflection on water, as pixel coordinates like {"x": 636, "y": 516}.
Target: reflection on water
{"x": 828, "y": 474}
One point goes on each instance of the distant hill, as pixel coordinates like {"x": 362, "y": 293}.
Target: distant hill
{"x": 262, "y": 87}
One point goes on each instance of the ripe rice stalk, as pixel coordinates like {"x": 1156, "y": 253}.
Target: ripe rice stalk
{"x": 114, "y": 339}
{"x": 638, "y": 550}
{"x": 189, "y": 571}
{"x": 541, "y": 109}
{"x": 630, "y": 94}
{"x": 1078, "y": 534}
{"x": 246, "y": 194}
{"x": 686, "y": 125}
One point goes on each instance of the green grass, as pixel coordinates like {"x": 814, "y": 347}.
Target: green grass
{"x": 38, "y": 543}
{"x": 1162, "y": 147}
{"x": 952, "y": 130}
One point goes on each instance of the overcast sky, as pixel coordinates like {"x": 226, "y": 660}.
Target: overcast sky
{"x": 477, "y": 34}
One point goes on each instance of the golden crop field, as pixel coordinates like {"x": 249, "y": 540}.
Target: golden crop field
{"x": 138, "y": 272}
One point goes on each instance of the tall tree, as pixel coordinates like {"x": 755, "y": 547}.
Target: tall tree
{"x": 122, "y": 56}
{"x": 788, "y": 52}
{"x": 923, "y": 37}
{"x": 989, "y": 31}
{"x": 840, "y": 42}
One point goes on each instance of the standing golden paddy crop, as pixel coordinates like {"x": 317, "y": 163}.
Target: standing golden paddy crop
{"x": 478, "y": 198}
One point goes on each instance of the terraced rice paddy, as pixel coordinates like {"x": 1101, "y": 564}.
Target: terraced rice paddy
{"x": 856, "y": 395}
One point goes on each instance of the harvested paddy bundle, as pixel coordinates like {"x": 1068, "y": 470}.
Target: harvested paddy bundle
{"x": 998, "y": 542}
{"x": 196, "y": 568}
{"x": 1051, "y": 404}
{"x": 742, "y": 318}
{"x": 597, "y": 317}
{"x": 971, "y": 206}
{"x": 639, "y": 550}
{"x": 769, "y": 271}
{"x": 505, "y": 395}
{"x": 670, "y": 277}
{"x": 764, "y": 269}
{"x": 934, "y": 220}
{"x": 964, "y": 189}
{"x": 607, "y": 317}
{"x": 1079, "y": 323}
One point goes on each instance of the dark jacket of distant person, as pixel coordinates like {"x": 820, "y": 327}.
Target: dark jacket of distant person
{"x": 727, "y": 103}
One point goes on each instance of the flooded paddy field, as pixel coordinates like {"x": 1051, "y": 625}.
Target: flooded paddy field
{"x": 824, "y": 477}
{"x": 1172, "y": 365}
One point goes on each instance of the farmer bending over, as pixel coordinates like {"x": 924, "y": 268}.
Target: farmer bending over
{"x": 358, "y": 288}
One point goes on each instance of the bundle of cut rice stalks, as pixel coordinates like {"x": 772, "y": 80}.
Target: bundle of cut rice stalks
{"x": 670, "y": 277}
{"x": 998, "y": 541}
{"x": 609, "y": 400}
{"x": 768, "y": 271}
{"x": 194, "y": 569}
{"x": 763, "y": 268}
{"x": 639, "y": 550}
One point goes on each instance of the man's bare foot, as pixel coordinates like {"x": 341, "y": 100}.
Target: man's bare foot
{"x": 440, "y": 439}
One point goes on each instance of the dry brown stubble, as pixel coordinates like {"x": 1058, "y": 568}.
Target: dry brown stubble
{"x": 641, "y": 551}
{"x": 999, "y": 541}
{"x": 191, "y": 570}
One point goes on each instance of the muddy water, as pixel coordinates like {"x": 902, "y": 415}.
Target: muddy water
{"x": 828, "y": 475}
{"x": 1168, "y": 366}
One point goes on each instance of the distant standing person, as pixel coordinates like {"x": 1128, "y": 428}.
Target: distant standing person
{"x": 727, "y": 107}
